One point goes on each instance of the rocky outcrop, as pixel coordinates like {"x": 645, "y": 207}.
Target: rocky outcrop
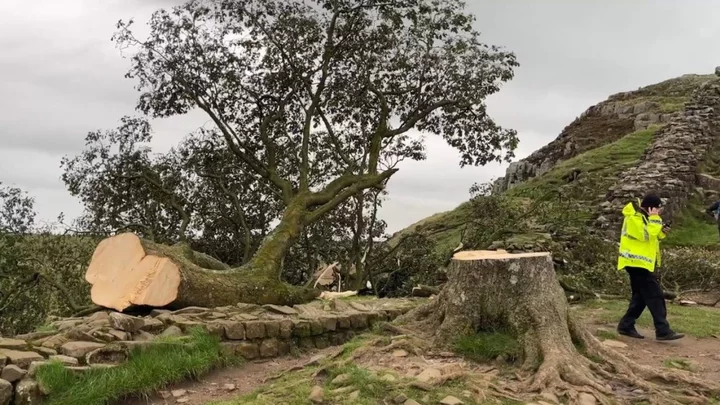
{"x": 104, "y": 339}
{"x": 670, "y": 165}
{"x": 605, "y": 123}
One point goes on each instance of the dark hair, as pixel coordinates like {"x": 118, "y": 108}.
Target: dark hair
{"x": 651, "y": 200}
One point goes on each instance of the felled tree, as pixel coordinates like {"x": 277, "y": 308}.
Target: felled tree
{"x": 353, "y": 77}
{"x": 298, "y": 87}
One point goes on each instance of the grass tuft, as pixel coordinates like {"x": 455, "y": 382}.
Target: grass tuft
{"x": 147, "y": 371}
{"x": 680, "y": 364}
{"x": 487, "y": 346}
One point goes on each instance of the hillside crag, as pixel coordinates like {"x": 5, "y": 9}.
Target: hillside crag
{"x": 670, "y": 166}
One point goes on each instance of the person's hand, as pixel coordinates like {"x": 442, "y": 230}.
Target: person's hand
{"x": 654, "y": 211}
{"x": 666, "y": 229}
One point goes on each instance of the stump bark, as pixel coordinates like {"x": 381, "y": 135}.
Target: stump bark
{"x": 126, "y": 271}
{"x": 520, "y": 294}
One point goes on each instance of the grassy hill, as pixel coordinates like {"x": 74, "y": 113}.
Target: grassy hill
{"x": 591, "y": 172}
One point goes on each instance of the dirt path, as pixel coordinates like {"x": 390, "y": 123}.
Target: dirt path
{"x": 702, "y": 355}
{"x": 225, "y": 384}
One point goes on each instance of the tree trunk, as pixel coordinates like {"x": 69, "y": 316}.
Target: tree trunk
{"x": 519, "y": 294}
{"x": 126, "y": 271}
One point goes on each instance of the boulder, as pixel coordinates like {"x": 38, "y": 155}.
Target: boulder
{"x": 79, "y": 350}
{"x": 316, "y": 395}
{"x": 21, "y": 359}
{"x": 12, "y": 373}
{"x": 172, "y": 331}
{"x": 66, "y": 360}
{"x": 27, "y": 392}
{"x": 717, "y": 71}
{"x": 6, "y": 392}
{"x": 126, "y": 323}
{"x": 113, "y": 354}
{"x": 451, "y": 400}
{"x": 13, "y": 344}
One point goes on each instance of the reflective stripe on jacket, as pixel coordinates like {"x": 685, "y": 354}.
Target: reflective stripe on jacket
{"x": 640, "y": 239}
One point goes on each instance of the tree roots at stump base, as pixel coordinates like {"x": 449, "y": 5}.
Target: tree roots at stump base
{"x": 520, "y": 294}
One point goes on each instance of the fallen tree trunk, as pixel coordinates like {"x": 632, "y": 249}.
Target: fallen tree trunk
{"x": 424, "y": 291}
{"x": 520, "y": 294}
{"x": 126, "y": 271}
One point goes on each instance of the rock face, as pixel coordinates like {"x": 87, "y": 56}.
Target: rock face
{"x": 605, "y": 123}
{"x": 717, "y": 71}
{"x": 670, "y": 165}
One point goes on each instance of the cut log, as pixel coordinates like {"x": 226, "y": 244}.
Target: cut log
{"x": 520, "y": 295}
{"x": 126, "y": 271}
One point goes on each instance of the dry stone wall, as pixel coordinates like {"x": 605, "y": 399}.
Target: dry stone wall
{"x": 670, "y": 164}
{"x": 104, "y": 339}
{"x": 599, "y": 125}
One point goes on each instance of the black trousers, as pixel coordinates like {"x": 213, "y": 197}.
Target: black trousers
{"x": 646, "y": 292}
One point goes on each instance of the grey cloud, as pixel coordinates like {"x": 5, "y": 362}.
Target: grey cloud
{"x": 61, "y": 77}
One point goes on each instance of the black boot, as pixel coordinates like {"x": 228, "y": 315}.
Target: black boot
{"x": 670, "y": 336}
{"x": 630, "y": 333}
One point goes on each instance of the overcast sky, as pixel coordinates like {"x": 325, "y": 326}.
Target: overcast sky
{"x": 60, "y": 77}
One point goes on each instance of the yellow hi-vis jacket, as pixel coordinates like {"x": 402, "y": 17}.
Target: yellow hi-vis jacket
{"x": 640, "y": 240}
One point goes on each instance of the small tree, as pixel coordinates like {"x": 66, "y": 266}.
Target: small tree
{"x": 298, "y": 88}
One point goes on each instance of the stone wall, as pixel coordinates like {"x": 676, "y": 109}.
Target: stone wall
{"x": 670, "y": 165}
{"x": 604, "y": 123}
{"x": 104, "y": 339}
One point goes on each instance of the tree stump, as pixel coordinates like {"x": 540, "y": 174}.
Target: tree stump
{"x": 520, "y": 294}
{"x": 126, "y": 271}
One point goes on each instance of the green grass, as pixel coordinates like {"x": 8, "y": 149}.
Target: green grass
{"x": 693, "y": 228}
{"x": 599, "y": 167}
{"x": 606, "y": 334}
{"x": 147, "y": 371}
{"x": 487, "y": 346}
{"x": 680, "y": 364}
{"x": 700, "y": 322}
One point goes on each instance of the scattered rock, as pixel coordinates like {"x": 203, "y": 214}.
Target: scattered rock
{"x": 586, "y": 399}
{"x": 389, "y": 378}
{"x": 78, "y": 350}
{"x": 229, "y": 387}
{"x": 451, "y": 400}
{"x": 614, "y": 344}
{"x": 182, "y": 400}
{"x": 354, "y": 395}
{"x": 341, "y": 379}
{"x": 549, "y": 396}
{"x": 178, "y": 393}
{"x": 400, "y": 399}
{"x": 126, "y": 323}
{"x": 400, "y": 353}
{"x": 280, "y": 309}
{"x": 6, "y": 392}
{"x": 411, "y": 402}
{"x": 429, "y": 374}
{"x": 66, "y": 360}
{"x": 12, "y": 373}
{"x": 317, "y": 395}
{"x": 20, "y": 358}
{"x": 687, "y": 303}
{"x": 172, "y": 331}
{"x": 13, "y": 344}
{"x": 359, "y": 306}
